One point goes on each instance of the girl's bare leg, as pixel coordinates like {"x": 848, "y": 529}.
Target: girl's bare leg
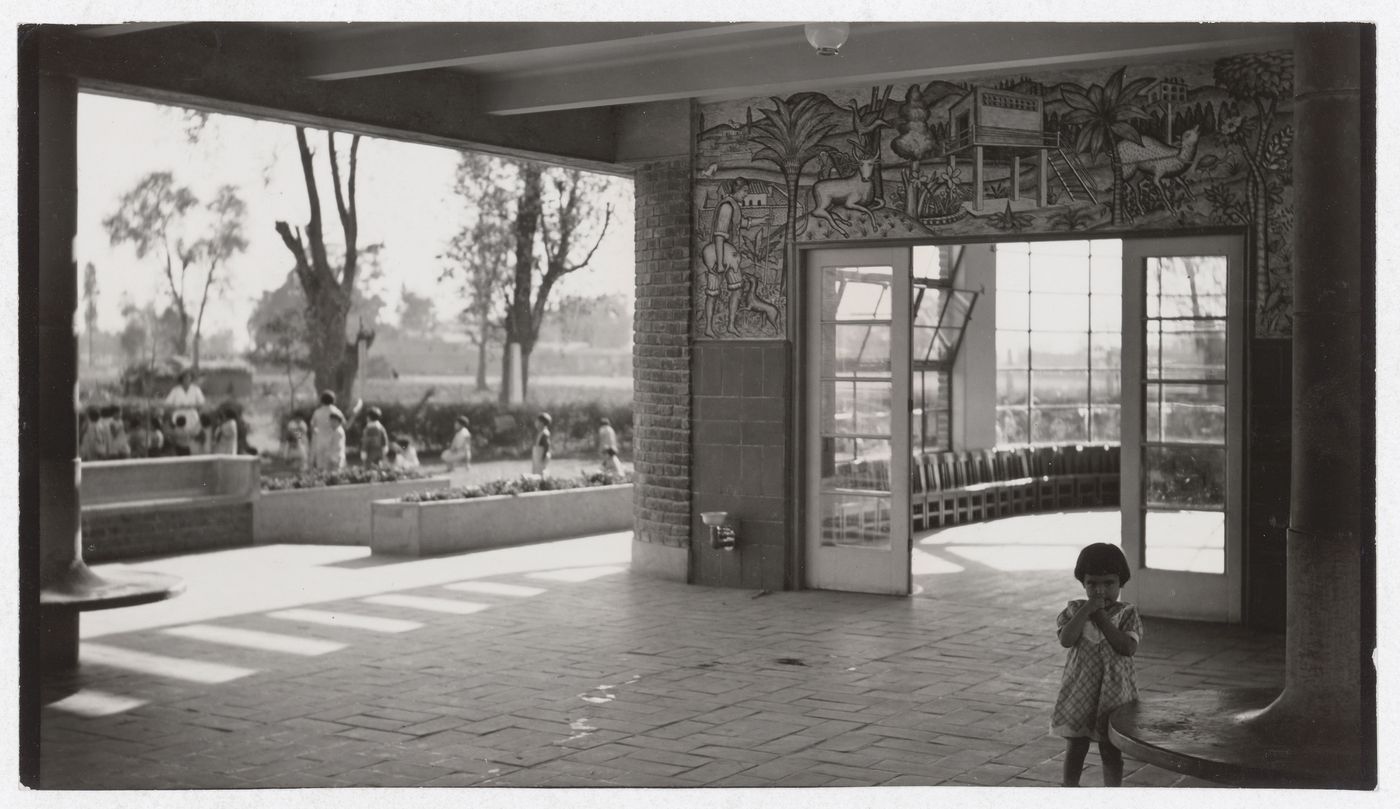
{"x": 1075, "y": 750}
{"x": 1112, "y": 759}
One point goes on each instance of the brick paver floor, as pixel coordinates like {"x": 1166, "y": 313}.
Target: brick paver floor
{"x": 552, "y": 665}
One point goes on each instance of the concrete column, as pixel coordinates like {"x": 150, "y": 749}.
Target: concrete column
{"x": 56, "y": 277}
{"x": 1326, "y": 666}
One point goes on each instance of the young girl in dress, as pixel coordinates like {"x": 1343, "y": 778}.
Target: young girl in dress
{"x": 1102, "y": 635}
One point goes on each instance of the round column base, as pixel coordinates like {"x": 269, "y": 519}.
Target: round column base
{"x": 1210, "y": 734}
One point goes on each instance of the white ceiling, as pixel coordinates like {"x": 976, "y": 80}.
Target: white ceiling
{"x": 525, "y": 67}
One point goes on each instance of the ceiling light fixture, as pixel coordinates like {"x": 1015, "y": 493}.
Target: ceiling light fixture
{"x": 827, "y": 37}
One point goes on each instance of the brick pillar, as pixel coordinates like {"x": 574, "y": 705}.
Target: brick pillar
{"x": 661, "y": 359}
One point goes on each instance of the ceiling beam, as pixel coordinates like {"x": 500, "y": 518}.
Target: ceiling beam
{"x": 782, "y": 62}
{"x": 121, "y": 29}
{"x": 359, "y": 51}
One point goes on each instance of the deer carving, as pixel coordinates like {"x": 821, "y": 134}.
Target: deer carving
{"x": 850, "y": 193}
{"x": 1159, "y": 162}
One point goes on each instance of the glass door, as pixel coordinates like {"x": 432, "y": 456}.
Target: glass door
{"x": 1183, "y": 395}
{"x": 857, "y": 414}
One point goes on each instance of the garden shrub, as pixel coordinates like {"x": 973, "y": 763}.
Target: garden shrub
{"x": 517, "y": 485}
{"x": 345, "y": 476}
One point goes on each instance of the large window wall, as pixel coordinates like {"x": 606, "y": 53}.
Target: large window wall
{"x": 1059, "y": 342}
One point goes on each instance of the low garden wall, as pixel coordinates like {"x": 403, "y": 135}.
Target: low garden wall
{"x": 160, "y": 506}
{"x": 327, "y": 515}
{"x": 451, "y": 526}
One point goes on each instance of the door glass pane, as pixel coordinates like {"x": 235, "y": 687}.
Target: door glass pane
{"x": 856, "y": 350}
{"x": 852, "y": 520}
{"x": 1184, "y": 477}
{"x": 1186, "y": 349}
{"x": 1185, "y": 413}
{"x": 856, "y": 407}
{"x": 1186, "y": 286}
{"x": 856, "y": 463}
{"x": 856, "y": 293}
{"x": 1185, "y": 540}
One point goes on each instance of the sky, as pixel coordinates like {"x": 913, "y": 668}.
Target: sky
{"x": 404, "y": 194}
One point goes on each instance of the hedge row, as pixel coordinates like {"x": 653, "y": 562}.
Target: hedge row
{"x": 497, "y": 431}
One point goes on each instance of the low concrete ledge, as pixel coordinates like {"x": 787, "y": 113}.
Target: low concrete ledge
{"x": 660, "y": 561}
{"x": 452, "y": 526}
{"x": 328, "y": 515}
{"x": 156, "y": 479}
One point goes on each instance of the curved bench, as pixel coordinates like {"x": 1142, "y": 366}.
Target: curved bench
{"x": 953, "y": 488}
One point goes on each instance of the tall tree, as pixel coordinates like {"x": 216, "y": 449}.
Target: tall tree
{"x": 1102, "y": 113}
{"x": 150, "y": 216}
{"x": 417, "y": 313}
{"x": 328, "y": 289}
{"x": 479, "y": 254}
{"x": 90, "y": 313}
{"x": 564, "y": 219}
{"x": 224, "y": 240}
{"x": 790, "y": 137}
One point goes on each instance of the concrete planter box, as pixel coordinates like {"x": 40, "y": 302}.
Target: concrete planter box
{"x": 327, "y": 515}
{"x": 451, "y": 526}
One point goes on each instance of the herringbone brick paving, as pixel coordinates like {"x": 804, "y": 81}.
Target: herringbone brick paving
{"x": 615, "y": 680}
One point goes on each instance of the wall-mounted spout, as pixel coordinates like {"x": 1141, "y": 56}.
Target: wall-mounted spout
{"x": 722, "y": 536}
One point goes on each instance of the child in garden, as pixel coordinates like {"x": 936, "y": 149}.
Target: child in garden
{"x": 374, "y": 439}
{"x": 461, "y": 450}
{"x": 225, "y": 440}
{"x": 296, "y": 443}
{"x": 117, "y": 441}
{"x": 407, "y": 455}
{"x": 539, "y": 453}
{"x": 335, "y": 443}
{"x": 155, "y": 438}
{"x": 612, "y": 467}
{"x": 322, "y": 430}
{"x": 1102, "y": 635}
{"x": 138, "y": 436}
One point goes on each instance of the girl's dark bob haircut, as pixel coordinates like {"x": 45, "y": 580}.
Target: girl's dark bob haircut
{"x": 1102, "y": 559}
{"x": 327, "y": 397}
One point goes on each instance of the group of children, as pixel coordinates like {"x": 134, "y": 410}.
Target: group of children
{"x": 105, "y": 434}
{"x": 321, "y": 446}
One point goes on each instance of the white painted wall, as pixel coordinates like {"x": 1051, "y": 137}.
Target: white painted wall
{"x": 975, "y": 370}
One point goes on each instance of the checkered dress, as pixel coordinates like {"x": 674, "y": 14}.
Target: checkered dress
{"x": 1096, "y": 679}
